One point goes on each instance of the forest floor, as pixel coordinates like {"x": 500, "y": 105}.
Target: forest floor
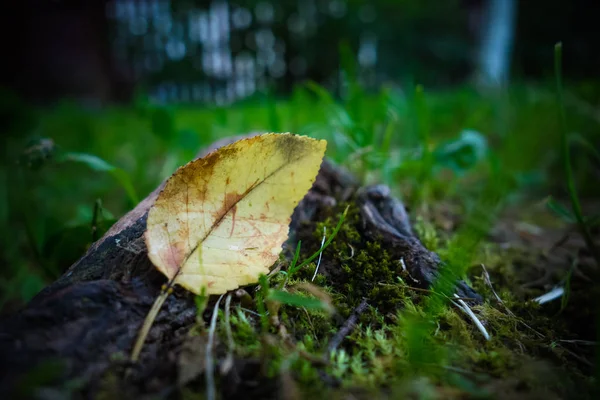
{"x": 481, "y": 175}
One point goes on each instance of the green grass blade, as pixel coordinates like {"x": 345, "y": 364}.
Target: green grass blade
{"x": 297, "y": 300}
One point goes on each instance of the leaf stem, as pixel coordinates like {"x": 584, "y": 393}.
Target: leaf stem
{"x": 143, "y": 333}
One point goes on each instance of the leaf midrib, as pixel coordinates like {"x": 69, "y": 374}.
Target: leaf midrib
{"x": 218, "y": 222}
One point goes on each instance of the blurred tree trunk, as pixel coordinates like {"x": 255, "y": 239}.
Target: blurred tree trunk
{"x": 62, "y": 50}
{"x": 497, "y": 28}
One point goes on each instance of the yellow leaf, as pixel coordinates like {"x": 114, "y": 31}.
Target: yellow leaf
{"x": 221, "y": 220}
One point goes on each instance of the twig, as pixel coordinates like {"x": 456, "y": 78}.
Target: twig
{"x": 578, "y": 357}
{"x": 320, "y": 254}
{"x": 208, "y": 361}
{"x": 347, "y": 327}
{"x": 488, "y": 281}
{"x": 465, "y": 308}
{"x": 251, "y": 311}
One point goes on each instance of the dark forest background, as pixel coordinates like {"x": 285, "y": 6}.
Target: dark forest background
{"x": 207, "y": 51}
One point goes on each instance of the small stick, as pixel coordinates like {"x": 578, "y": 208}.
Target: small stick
{"x": 465, "y": 308}
{"x": 348, "y": 326}
{"x": 320, "y": 254}
{"x": 488, "y": 281}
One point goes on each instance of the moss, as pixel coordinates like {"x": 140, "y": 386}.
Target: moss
{"x": 110, "y": 387}
{"x": 245, "y": 336}
{"x": 304, "y": 323}
{"x": 398, "y": 345}
{"x": 427, "y": 233}
{"x": 357, "y": 268}
{"x": 453, "y": 328}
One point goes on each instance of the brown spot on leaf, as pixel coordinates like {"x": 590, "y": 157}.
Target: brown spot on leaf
{"x": 234, "y": 209}
{"x": 185, "y": 198}
{"x": 230, "y": 200}
{"x": 173, "y": 256}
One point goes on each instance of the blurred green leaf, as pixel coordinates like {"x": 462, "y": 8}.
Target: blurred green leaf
{"x": 463, "y": 153}
{"x": 530, "y": 179}
{"x": 98, "y": 164}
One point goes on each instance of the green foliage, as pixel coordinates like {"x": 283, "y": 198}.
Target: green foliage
{"x": 560, "y": 210}
{"x": 244, "y": 334}
{"x": 163, "y": 123}
{"x": 99, "y": 165}
{"x": 475, "y": 152}
{"x": 566, "y": 158}
{"x": 462, "y": 154}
